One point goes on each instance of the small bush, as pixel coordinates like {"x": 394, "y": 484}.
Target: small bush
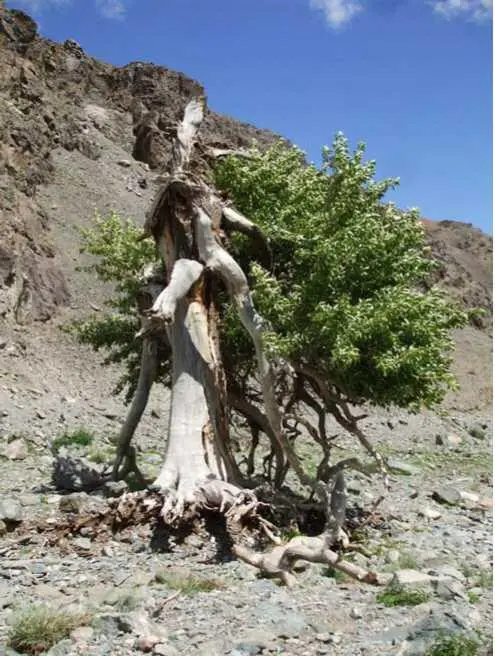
{"x": 336, "y": 574}
{"x": 79, "y": 437}
{"x": 187, "y": 583}
{"x": 454, "y": 645}
{"x": 473, "y": 597}
{"x": 399, "y": 597}
{"x": 37, "y": 628}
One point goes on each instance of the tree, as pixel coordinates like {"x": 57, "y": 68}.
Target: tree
{"x": 312, "y": 306}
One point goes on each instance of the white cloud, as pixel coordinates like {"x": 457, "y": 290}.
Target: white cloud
{"x": 340, "y": 12}
{"x": 115, "y": 9}
{"x": 337, "y": 12}
{"x": 477, "y": 10}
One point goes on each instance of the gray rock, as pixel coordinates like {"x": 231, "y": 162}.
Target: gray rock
{"x": 410, "y": 578}
{"x": 403, "y": 468}
{"x": 139, "y": 623}
{"x": 446, "y": 494}
{"x": 10, "y": 510}
{"x": 427, "y": 630}
{"x": 164, "y": 649}
{"x": 125, "y": 163}
{"x": 16, "y": 450}
{"x": 115, "y": 488}
{"x": 356, "y": 613}
{"x": 429, "y": 513}
{"x": 447, "y": 571}
{"x": 449, "y": 589}
{"x": 82, "y": 634}
{"x": 82, "y": 543}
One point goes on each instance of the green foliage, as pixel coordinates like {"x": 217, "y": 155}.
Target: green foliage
{"x": 454, "y": 645}
{"x": 36, "y": 628}
{"x": 78, "y": 437}
{"x": 402, "y": 597}
{"x": 347, "y": 291}
{"x": 120, "y": 258}
{"x": 473, "y": 597}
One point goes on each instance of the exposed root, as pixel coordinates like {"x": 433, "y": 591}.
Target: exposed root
{"x": 280, "y": 562}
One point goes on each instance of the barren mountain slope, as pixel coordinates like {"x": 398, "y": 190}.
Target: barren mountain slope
{"x": 78, "y": 135}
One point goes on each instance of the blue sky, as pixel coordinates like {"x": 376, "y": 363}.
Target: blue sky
{"x": 411, "y": 78}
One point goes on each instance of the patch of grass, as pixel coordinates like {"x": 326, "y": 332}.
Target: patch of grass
{"x": 478, "y": 578}
{"x": 336, "y": 574}
{"x": 483, "y": 579}
{"x": 99, "y": 456}
{"x": 454, "y": 645}
{"x": 188, "y": 584}
{"x": 473, "y": 597}
{"x": 79, "y": 437}
{"x": 126, "y": 603}
{"x": 407, "y": 560}
{"x": 36, "y": 628}
{"x": 400, "y": 597}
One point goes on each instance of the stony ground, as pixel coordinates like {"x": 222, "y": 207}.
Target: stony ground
{"x": 147, "y": 595}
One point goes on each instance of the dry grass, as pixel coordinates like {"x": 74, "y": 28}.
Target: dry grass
{"x": 37, "y": 627}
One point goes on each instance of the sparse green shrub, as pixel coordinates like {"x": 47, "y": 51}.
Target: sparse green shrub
{"x": 78, "y": 437}
{"x": 473, "y": 597}
{"x": 454, "y": 645}
{"x": 36, "y": 628}
{"x": 336, "y": 574}
{"x": 402, "y": 597}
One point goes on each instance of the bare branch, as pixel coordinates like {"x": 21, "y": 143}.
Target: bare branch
{"x": 184, "y": 274}
{"x": 235, "y": 221}
{"x": 280, "y": 561}
{"x": 147, "y": 376}
{"x": 227, "y": 152}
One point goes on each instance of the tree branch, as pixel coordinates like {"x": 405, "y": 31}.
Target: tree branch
{"x": 235, "y": 221}
{"x": 184, "y": 274}
{"x": 147, "y": 376}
